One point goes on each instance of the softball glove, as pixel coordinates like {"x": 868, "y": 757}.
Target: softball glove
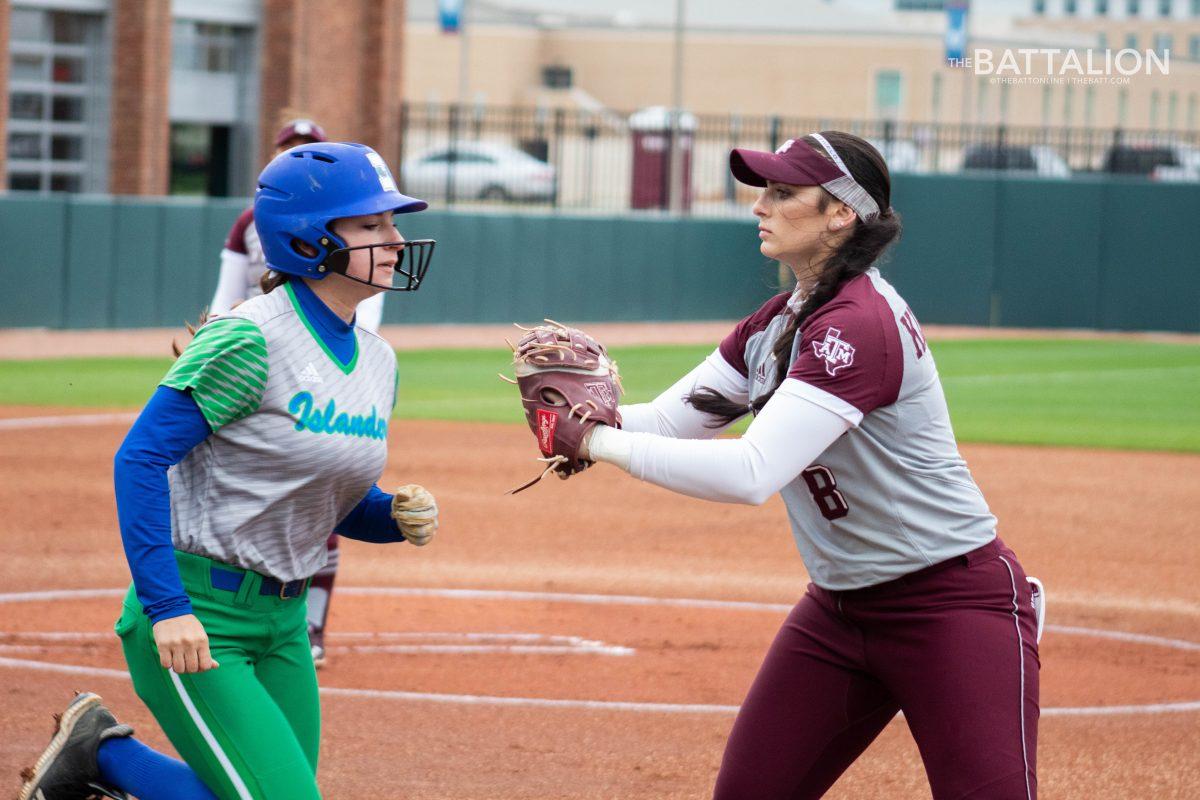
{"x": 568, "y": 385}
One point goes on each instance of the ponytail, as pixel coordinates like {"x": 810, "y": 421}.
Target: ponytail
{"x": 269, "y": 282}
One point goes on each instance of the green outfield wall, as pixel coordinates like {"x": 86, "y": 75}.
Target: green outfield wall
{"x": 1086, "y": 253}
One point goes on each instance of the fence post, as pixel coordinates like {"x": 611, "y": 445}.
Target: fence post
{"x": 452, "y": 152}
{"x": 559, "y": 124}
{"x": 774, "y": 133}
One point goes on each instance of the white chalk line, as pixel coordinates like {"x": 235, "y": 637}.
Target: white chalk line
{"x": 66, "y": 421}
{"x": 538, "y": 702}
{"x": 462, "y": 643}
{"x": 1060, "y": 598}
{"x": 592, "y": 705}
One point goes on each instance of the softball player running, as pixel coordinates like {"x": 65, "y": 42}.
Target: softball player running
{"x": 268, "y": 432}
{"x": 914, "y": 604}
{"x": 243, "y": 269}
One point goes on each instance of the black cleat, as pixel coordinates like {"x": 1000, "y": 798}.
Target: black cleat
{"x": 67, "y": 770}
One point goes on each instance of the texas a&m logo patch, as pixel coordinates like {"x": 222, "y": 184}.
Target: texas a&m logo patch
{"x": 602, "y": 391}
{"x": 836, "y": 352}
{"x": 547, "y": 421}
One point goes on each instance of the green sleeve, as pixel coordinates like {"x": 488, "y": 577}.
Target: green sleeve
{"x": 225, "y": 369}
{"x": 396, "y": 388}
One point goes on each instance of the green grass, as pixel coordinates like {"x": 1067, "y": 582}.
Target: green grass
{"x": 1117, "y": 394}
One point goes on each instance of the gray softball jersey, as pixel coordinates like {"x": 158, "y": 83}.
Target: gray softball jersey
{"x": 892, "y": 495}
{"x": 298, "y": 438}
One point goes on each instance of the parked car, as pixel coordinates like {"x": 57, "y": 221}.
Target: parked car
{"x": 1037, "y": 159}
{"x": 1163, "y": 162}
{"x": 481, "y": 170}
{"x": 901, "y": 155}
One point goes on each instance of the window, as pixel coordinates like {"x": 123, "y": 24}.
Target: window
{"x": 1047, "y": 99}
{"x": 1131, "y": 42}
{"x": 27, "y": 67}
{"x": 25, "y": 105}
{"x": 981, "y": 101}
{"x": 1004, "y": 87}
{"x": 1101, "y": 8}
{"x": 25, "y": 145}
{"x": 1163, "y": 43}
{"x": 27, "y": 25}
{"x": 1192, "y": 104}
{"x": 1196, "y": 8}
{"x": 204, "y": 47}
{"x": 1164, "y": 8}
{"x": 1070, "y": 7}
{"x": 1122, "y": 106}
{"x": 25, "y": 181}
{"x": 66, "y": 148}
{"x": 1089, "y": 106}
{"x": 1039, "y": 7}
{"x": 936, "y": 97}
{"x": 1133, "y": 8}
{"x": 1154, "y": 103}
{"x": 64, "y": 183}
{"x": 888, "y": 85}
{"x": 56, "y": 101}
{"x": 1102, "y": 41}
{"x": 1194, "y": 47}
{"x": 1172, "y": 109}
{"x": 67, "y": 109}
{"x": 1068, "y": 97}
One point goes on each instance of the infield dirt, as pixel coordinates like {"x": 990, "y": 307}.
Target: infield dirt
{"x": 1113, "y": 535}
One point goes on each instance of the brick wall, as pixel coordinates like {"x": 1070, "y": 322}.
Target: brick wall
{"x": 139, "y": 149}
{"x": 343, "y": 68}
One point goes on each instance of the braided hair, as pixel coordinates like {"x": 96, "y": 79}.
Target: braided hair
{"x": 866, "y": 243}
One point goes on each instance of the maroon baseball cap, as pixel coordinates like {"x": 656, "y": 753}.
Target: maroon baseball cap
{"x": 795, "y": 162}
{"x": 800, "y": 164}
{"x": 301, "y": 128}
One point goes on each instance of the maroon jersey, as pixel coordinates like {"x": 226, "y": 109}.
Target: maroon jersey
{"x": 893, "y": 494}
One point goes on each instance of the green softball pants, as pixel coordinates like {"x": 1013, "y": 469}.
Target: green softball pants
{"x": 251, "y": 728}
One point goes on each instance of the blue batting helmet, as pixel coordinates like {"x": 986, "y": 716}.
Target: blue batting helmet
{"x": 303, "y": 190}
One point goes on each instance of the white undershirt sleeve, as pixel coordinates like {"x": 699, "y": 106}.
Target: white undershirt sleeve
{"x": 669, "y": 415}
{"x": 786, "y": 437}
{"x": 370, "y": 313}
{"x": 231, "y": 285}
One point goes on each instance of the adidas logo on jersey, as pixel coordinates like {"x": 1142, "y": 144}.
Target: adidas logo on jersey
{"x": 310, "y": 375}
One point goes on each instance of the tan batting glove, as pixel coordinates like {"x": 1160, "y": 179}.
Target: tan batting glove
{"x": 416, "y": 513}
{"x": 183, "y": 645}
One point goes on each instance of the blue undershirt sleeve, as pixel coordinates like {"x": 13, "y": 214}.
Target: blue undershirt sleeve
{"x": 371, "y": 520}
{"x": 168, "y": 428}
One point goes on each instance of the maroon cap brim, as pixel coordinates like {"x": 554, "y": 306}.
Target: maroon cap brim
{"x": 311, "y": 132}
{"x": 800, "y": 165}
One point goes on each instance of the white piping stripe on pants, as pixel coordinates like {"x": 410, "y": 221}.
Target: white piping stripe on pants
{"x": 1021, "y": 655}
{"x": 202, "y": 726}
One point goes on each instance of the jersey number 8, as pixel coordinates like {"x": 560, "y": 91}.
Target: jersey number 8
{"x": 825, "y": 493}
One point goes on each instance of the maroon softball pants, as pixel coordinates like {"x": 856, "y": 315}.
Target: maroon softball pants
{"x": 953, "y": 646}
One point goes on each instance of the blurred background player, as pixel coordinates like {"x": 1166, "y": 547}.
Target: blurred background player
{"x": 243, "y": 268}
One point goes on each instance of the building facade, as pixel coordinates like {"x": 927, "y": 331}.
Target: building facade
{"x": 152, "y": 97}
{"x": 845, "y": 59}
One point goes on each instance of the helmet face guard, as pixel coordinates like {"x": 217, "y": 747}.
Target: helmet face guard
{"x": 304, "y": 190}
{"x": 412, "y": 261}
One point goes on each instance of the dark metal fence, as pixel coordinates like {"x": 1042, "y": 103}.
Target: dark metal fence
{"x": 597, "y": 161}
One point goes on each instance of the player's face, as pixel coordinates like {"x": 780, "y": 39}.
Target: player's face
{"x": 367, "y": 230}
{"x": 792, "y": 227}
